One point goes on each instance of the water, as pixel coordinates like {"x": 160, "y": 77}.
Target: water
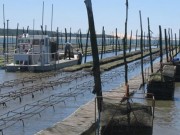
{"x": 48, "y": 116}
{"x": 167, "y": 113}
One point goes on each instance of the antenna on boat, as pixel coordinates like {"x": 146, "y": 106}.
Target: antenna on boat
{"x": 51, "y": 19}
{"x": 42, "y": 18}
{"x": 4, "y": 41}
{"x": 32, "y": 46}
{"x": 42, "y": 29}
{"x": 33, "y": 27}
{"x": 17, "y": 34}
{"x": 27, "y": 31}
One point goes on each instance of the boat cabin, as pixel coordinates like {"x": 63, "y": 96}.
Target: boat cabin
{"x": 33, "y": 49}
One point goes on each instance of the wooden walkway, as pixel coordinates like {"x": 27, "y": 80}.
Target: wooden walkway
{"x": 82, "y": 120}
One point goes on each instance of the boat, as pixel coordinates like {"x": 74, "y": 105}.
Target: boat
{"x": 40, "y": 53}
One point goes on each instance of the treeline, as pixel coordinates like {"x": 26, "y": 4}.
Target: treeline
{"x": 13, "y": 32}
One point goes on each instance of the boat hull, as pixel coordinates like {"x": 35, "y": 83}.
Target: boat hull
{"x": 41, "y": 68}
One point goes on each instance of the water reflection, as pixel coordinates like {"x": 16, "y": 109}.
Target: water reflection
{"x": 167, "y": 115}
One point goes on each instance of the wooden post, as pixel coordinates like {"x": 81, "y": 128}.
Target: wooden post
{"x": 70, "y": 36}
{"x": 175, "y": 43}
{"x": 116, "y": 41}
{"x": 104, "y": 38}
{"x": 124, "y": 52}
{"x": 169, "y": 41}
{"x": 102, "y": 42}
{"x": 160, "y": 45}
{"x": 141, "y": 46}
{"x": 119, "y": 44}
{"x": 81, "y": 44}
{"x": 57, "y": 40}
{"x": 62, "y": 40}
{"x": 96, "y": 66}
{"x": 172, "y": 44}
{"x": 130, "y": 42}
{"x": 65, "y": 35}
{"x": 150, "y": 49}
{"x": 166, "y": 45}
{"x": 144, "y": 43}
{"x": 7, "y": 41}
{"x": 87, "y": 39}
{"x": 113, "y": 42}
{"x": 136, "y": 39}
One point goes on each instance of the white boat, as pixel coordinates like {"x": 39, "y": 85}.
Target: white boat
{"x": 39, "y": 53}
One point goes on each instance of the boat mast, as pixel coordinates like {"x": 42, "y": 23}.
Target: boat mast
{"x": 51, "y": 20}
{"x": 41, "y": 59}
{"x": 4, "y": 41}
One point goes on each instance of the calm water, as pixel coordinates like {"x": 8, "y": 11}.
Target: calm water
{"x": 167, "y": 115}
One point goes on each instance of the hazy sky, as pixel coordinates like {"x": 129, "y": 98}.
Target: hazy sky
{"x": 107, "y": 13}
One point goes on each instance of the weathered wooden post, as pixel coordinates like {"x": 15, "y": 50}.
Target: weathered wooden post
{"x": 104, "y": 38}
{"x": 141, "y": 46}
{"x": 144, "y": 43}
{"x": 124, "y": 52}
{"x": 70, "y": 36}
{"x": 113, "y": 42}
{"x": 160, "y": 44}
{"x": 7, "y": 41}
{"x": 136, "y": 39}
{"x": 150, "y": 49}
{"x": 65, "y": 35}
{"x": 57, "y": 39}
{"x": 175, "y": 43}
{"x": 96, "y": 67}
{"x": 87, "y": 39}
{"x": 119, "y": 44}
{"x": 62, "y": 40}
{"x": 116, "y": 41}
{"x": 81, "y": 44}
{"x": 102, "y": 42}
{"x": 130, "y": 42}
{"x": 172, "y": 43}
{"x": 169, "y": 41}
{"x": 166, "y": 45}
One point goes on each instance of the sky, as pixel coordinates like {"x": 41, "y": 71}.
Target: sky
{"x": 108, "y": 13}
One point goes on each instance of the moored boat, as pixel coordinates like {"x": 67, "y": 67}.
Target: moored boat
{"x": 39, "y": 53}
